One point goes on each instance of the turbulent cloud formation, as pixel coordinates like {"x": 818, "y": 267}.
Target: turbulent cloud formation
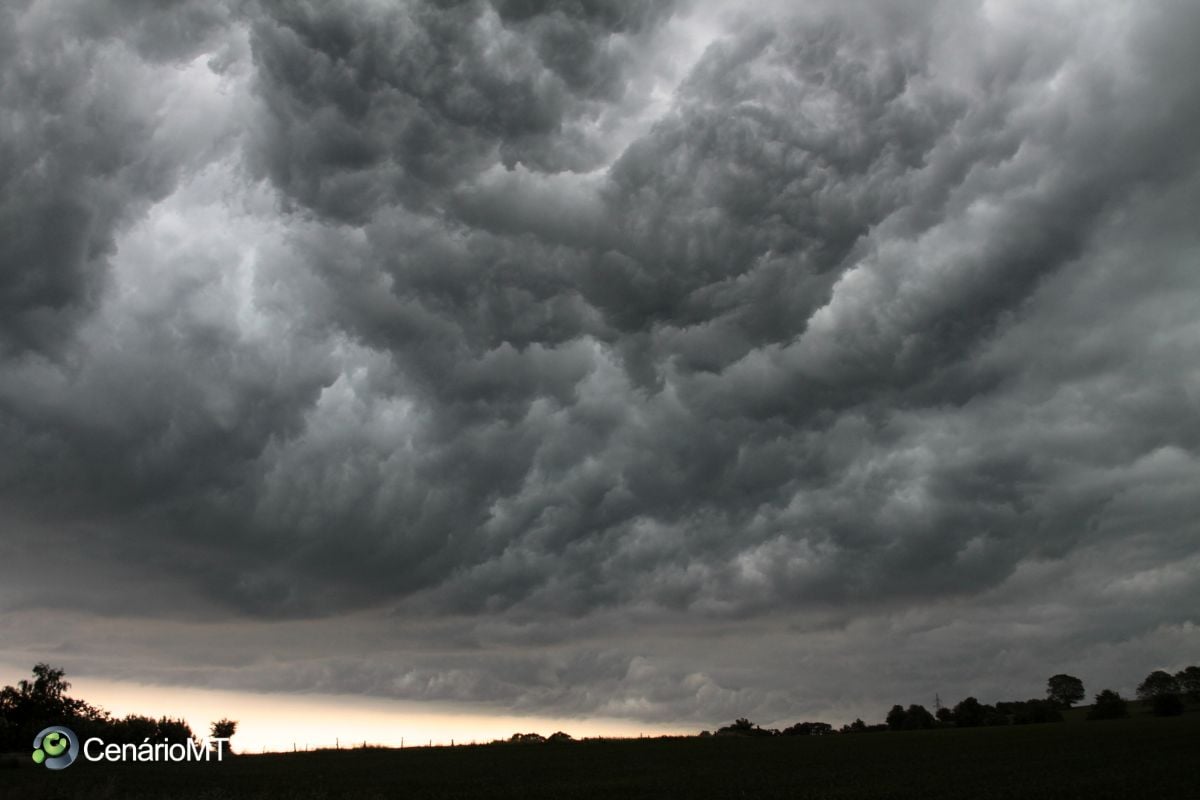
{"x": 627, "y": 358}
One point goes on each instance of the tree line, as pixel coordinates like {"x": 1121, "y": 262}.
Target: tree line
{"x": 1165, "y": 695}
{"x": 31, "y": 705}
{"x": 34, "y": 704}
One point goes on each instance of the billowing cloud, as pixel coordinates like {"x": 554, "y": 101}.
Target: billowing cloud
{"x": 550, "y": 348}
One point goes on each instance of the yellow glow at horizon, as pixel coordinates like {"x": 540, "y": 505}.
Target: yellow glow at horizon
{"x": 279, "y": 722}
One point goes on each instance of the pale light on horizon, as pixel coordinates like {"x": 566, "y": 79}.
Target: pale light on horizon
{"x": 281, "y": 722}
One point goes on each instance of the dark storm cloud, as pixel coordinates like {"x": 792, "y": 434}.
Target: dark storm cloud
{"x": 885, "y": 312}
{"x": 79, "y": 155}
{"x": 376, "y": 103}
{"x": 821, "y": 233}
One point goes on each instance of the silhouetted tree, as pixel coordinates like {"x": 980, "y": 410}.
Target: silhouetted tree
{"x": 527, "y": 738}
{"x": 895, "y": 718}
{"x": 970, "y": 713}
{"x": 47, "y": 684}
{"x": 33, "y": 704}
{"x": 132, "y": 729}
{"x": 917, "y": 717}
{"x": 807, "y": 729}
{"x": 559, "y": 737}
{"x": 174, "y": 731}
{"x": 1157, "y": 683}
{"x": 1188, "y": 679}
{"x": 945, "y": 716}
{"x": 46, "y": 695}
{"x": 224, "y": 729}
{"x": 1108, "y": 705}
{"x": 135, "y": 729}
{"x": 1161, "y": 691}
{"x": 1066, "y": 690}
{"x": 744, "y": 727}
{"x": 858, "y": 726}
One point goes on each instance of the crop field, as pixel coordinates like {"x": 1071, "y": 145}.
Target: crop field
{"x": 1133, "y": 758}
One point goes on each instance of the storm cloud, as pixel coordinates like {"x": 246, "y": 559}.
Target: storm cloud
{"x": 626, "y": 358}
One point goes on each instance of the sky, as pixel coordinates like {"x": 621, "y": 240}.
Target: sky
{"x": 612, "y": 364}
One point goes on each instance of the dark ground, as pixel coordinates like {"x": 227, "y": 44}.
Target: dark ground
{"x": 1133, "y": 758}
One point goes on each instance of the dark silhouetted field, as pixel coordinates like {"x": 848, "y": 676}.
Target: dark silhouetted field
{"x": 1134, "y": 758}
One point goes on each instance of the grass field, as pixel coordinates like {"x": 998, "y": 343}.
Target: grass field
{"x": 1134, "y": 758}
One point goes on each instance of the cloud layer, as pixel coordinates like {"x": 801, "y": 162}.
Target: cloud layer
{"x": 629, "y": 358}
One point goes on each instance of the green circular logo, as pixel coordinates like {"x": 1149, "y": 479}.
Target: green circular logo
{"x": 56, "y": 747}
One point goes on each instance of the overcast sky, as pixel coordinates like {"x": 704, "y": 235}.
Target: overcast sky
{"x": 601, "y": 358}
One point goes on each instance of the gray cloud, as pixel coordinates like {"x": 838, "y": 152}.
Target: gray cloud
{"x": 372, "y": 104}
{"x": 398, "y": 315}
{"x": 81, "y": 155}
